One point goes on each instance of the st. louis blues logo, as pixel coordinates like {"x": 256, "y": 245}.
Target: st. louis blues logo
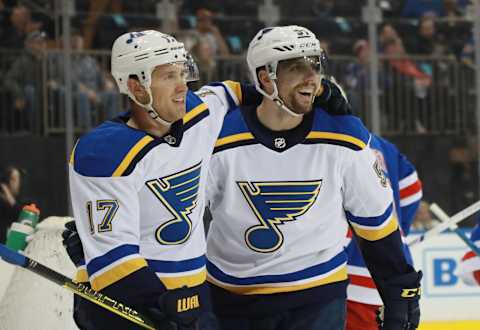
{"x": 179, "y": 193}
{"x": 273, "y": 204}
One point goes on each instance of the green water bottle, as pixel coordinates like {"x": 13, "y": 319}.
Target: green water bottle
{"x": 23, "y": 227}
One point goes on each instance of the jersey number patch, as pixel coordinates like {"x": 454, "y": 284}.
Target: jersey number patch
{"x": 179, "y": 193}
{"x": 275, "y": 203}
{"x": 110, "y": 207}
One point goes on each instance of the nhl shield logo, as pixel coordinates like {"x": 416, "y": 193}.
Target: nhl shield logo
{"x": 170, "y": 139}
{"x": 280, "y": 143}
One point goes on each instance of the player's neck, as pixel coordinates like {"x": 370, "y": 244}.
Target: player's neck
{"x": 141, "y": 120}
{"x": 275, "y": 118}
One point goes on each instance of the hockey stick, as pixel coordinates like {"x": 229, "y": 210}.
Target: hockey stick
{"x": 79, "y": 289}
{"x": 443, "y": 217}
{"x": 460, "y": 216}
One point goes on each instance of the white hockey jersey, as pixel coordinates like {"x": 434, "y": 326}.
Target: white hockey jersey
{"x": 280, "y": 202}
{"x": 138, "y": 200}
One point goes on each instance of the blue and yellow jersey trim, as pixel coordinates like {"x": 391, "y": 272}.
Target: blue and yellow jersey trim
{"x": 233, "y": 92}
{"x": 176, "y": 274}
{"x": 114, "y": 265}
{"x": 374, "y": 228}
{"x": 234, "y": 132}
{"x": 347, "y": 131}
{"x": 196, "y": 110}
{"x": 331, "y": 271}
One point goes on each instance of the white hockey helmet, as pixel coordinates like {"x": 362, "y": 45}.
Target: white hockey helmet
{"x": 274, "y": 44}
{"x": 138, "y": 53}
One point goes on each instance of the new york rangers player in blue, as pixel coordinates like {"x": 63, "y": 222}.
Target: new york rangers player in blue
{"x": 363, "y": 298}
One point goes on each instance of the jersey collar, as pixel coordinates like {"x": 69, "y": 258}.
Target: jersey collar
{"x": 172, "y": 138}
{"x": 278, "y": 141}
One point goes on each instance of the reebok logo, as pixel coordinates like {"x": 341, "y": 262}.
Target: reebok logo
{"x": 188, "y": 303}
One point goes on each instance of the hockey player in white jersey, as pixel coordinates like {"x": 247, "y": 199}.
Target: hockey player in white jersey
{"x": 285, "y": 180}
{"x": 138, "y": 191}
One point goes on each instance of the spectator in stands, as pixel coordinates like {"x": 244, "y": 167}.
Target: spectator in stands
{"x": 357, "y": 76}
{"x": 10, "y": 183}
{"x": 387, "y": 32}
{"x": 210, "y": 32}
{"x": 203, "y": 54}
{"x": 428, "y": 41}
{"x": 21, "y": 24}
{"x": 93, "y": 89}
{"x": 24, "y": 78}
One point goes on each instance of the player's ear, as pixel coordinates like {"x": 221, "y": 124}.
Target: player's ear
{"x": 265, "y": 81}
{"x": 136, "y": 88}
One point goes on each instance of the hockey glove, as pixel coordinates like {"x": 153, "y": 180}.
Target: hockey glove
{"x": 333, "y": 99}
{"x": 72, "y": 243}
{"x": 177, "y": 309}
{"x": 400, "y": 298}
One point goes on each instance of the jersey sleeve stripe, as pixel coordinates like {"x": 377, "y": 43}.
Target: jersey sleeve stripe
{"x": 411, "y": 199}
{"x": 364, "y": 281}
{"x": 117, "y": 272}
{"x": 411, "y": 189}
{"x": 357, "y": 144}
{"x": 110, "y": 257}
{"x": 235, "y": 90}
{"x": 376, "y": 233}
{"x": 191, "y": 280}
{"x": 81, "y": 276}
{"x": 127, "y": 160}
{"x": 408, "y": 180}
{"x": 371, "y": 221}
{"x": 198, "y": 110}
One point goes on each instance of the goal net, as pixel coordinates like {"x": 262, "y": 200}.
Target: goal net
{"x": 30, "y": 301}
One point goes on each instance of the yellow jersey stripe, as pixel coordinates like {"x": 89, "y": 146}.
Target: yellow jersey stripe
{"x": 340, "y": 275}
{"x": 194, "y": 112}
{"x": 236, "y": 88}
{"x": 131, "y": 155}
{"x": 81, "y": 276}
{"x": 337, "y": 136}
{"x": 449, "y": 325}
{"x": 188, "y": 280}
{"x": 375, "y": 234}
{"x": 117, "y": 273}
{"x": 234, "y": 138}
{"x": 72, "y": 154}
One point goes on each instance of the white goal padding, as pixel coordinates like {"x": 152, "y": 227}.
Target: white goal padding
{"x": 29, "y": 301}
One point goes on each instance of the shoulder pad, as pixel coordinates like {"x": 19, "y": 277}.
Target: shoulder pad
{"x": 112, "y": 149}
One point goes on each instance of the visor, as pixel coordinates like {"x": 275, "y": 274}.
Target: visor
{"x": 305, "y": 63}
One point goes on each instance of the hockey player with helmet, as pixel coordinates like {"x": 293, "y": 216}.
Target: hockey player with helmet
{"x": 284, "y": 180}
{"x": 363, "y": 299}
{"x": 469, "y": 268}
{"x": 137, "y": 185}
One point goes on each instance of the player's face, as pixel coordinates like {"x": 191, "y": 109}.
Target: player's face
{"x": 169, "y": 90}
{"x": 298, "y": 82}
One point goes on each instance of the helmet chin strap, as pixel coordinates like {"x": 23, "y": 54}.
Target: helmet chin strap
{"x": 150, "y": 110}
{"x": 276, "y": 98}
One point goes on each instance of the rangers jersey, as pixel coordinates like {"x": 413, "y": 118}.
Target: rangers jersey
{"x": 469, "y": 268}
{"x": 407, "y": 194}
{"x": 138, "y": 200}
{"x": 280, "y": 202}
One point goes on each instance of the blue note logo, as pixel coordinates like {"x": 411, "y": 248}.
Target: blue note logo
{"x": 275, "y": 203}
{"x": 179, "y": 193}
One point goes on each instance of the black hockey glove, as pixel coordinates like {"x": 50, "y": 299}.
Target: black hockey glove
{"x": 72, "y": 243}
{"x": 177, "y": 309}
{"x": 333, "y": 99}
{"x": 400, "y": 297}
